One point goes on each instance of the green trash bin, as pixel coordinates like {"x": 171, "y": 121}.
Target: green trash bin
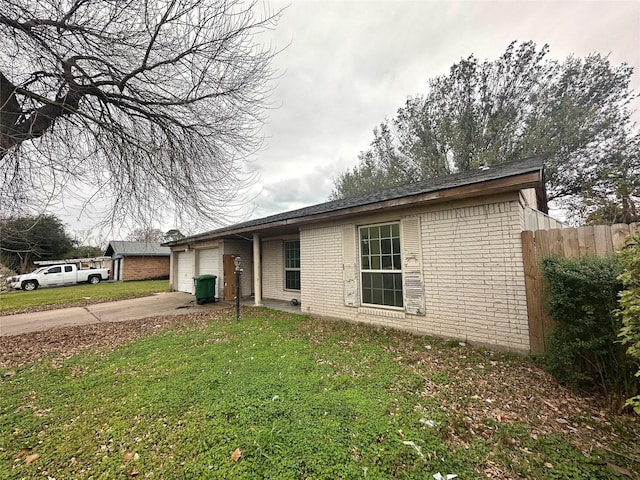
{"x": 205, "y": 288}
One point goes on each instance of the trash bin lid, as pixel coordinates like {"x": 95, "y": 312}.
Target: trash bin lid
{"x": 205, "y": 277}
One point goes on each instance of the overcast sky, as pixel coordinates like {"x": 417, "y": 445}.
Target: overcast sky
{"x": 348, "y": 65}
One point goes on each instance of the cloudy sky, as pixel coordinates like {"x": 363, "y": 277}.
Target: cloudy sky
{"x": 348, "y": 65}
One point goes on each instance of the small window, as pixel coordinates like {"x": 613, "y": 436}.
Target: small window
{"x": 55, "y": 270}
{"x": 68, "y": 268}
{"x": 381, "y": 265}
{"x": 292, "y": 265}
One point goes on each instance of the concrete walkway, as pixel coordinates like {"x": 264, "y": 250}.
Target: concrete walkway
{"x": 165, "y": 303}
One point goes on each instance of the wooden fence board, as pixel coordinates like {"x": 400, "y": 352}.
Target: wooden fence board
{"x": 570, "y": 239}
{"x": 619, "y": 232}
{"x": 601, "y": 240}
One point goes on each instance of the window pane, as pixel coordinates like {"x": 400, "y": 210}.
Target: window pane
{"x": 292, "y": 254}
{"x": 398, "y": 298}
{"x": 377, "y": 297}
{"x": 366, "y": 280}
{"x": 374, "y": 232}
{"x": 376, "y": 280}
{"x": 396, "y": 245}
{"x": 395, "y": 230}
{"x": 375, "y": 263}
{"x": 385, "y": 231}
{"x": 397, "y": 262}
{"x": 387, "y": 262}
{"x": 292, "y": 280}
{"x": 367, "y": 296}
{"x": 365, "y": 263}
{"x": 375, "y": 247}
{"x": 385, "y": 246}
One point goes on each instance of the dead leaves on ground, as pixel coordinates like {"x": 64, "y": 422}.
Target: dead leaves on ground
{"x": 26, "y": 455}
{"x": 65, "y": 342}
{"x": 236, "y": 455}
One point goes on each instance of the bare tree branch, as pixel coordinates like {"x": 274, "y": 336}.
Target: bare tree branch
{"x": 149, "y": 107}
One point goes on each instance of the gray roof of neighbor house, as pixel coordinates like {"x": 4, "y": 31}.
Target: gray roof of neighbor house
{"x": 136, "y": 249}
{"x": 421, "y": 192}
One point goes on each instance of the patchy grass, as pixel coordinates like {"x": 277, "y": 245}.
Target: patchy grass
{"x": 282, "y": 396}
{"x": 77, "y": 295}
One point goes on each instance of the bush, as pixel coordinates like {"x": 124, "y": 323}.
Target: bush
{"x": 584, "y": 350}
{"x": 630, "y": 305}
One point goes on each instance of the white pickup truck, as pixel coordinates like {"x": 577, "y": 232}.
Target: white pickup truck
{"x": 57, "y": 275}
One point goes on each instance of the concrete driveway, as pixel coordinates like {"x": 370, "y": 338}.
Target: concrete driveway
{"x": 165, "y": 303}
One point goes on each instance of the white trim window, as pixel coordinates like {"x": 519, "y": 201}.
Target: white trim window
{"x": 292, "y": 265}
{"x": 381, "y": 265}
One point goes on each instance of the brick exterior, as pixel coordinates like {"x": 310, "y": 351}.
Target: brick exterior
{"x": 273, "y": 270}
{"x": 465, "y": 259}
{"x": 144, "y": 268}
{"x": 472, "y": 268}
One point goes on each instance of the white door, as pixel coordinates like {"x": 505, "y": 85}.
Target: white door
{"x": 185, "y": 272}
{"x": 52, "y": 276}
{"x": 209, "y": 264}
{"x": 69, "y": 276}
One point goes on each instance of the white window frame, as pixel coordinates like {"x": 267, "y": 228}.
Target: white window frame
{"x": 393, "y": 270}
{"x": 290, "y": 269}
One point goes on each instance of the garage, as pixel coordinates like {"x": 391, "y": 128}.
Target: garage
{"x": 185, "y": 272}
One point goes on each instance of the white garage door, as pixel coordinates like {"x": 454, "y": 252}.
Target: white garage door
{"x": 208, "y": 262}
{"x": 185, "y": 272}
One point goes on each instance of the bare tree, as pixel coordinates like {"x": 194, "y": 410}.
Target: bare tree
{"x": 146, "y": 235}
{"x": 148, "y": 106}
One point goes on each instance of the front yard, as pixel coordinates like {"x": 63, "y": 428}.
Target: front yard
{"x": 282, "y": 396}
{"x": 76, "y": 295}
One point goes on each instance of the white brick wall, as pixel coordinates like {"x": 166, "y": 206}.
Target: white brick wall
{"x": 273, "y": 271}
{"x": 473, "y": 276}
{"x": 321, "y": 276}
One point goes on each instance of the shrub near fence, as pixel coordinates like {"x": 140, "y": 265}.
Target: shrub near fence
{"x": 584, "y": 350}
{"x": 630, "y": 305}
{"x": 600, "y": 241}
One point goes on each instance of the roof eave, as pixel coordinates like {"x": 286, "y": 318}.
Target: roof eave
{"x": 530, "y": 179}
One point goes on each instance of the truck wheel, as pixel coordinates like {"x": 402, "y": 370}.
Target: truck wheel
{"x": 28, "y": 286}
{"x": 94, "y": 280}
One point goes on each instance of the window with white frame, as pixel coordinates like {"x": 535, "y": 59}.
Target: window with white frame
{"x": 381, "y": 265}
{"x": 292, "y": 265}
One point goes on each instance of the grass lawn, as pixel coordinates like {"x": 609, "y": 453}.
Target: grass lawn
{"x": 282, "y": 396}
{"x": 83, "y": 294}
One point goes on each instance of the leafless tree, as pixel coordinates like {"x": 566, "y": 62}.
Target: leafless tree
{"x": 148, "y": 106}
{"x": 146, "y": 235}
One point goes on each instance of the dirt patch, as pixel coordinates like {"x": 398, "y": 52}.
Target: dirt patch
{"x": 65, "y": 342}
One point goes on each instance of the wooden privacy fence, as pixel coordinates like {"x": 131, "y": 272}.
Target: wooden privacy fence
{"x": 599, "y": 240}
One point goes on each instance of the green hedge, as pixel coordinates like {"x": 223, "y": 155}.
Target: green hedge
{"x": 584, "y": 350}
{"x": 630, "y": 305}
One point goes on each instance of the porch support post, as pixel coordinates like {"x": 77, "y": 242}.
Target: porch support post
{"x": 257, "y": 270}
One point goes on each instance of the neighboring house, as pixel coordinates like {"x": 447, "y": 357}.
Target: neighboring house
{"x": 440, "y": 257}
{"x": 138, "y": 260}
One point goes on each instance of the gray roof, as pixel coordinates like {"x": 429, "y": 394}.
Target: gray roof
{"x": 136, "y": 249}
{"x": 496, "y": 172}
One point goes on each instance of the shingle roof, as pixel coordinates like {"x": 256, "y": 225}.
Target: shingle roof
{"x": 136, "y": 249}
{"x": 496, "y": 172}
